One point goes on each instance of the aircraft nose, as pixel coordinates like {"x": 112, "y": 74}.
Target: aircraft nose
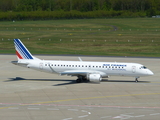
{"x": 150, "y": 72}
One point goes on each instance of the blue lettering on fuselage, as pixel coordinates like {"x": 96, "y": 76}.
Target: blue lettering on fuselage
{"x": 116, "y": 65}
{"x": 106, "y": 64}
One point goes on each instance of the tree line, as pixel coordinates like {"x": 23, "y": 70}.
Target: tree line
{"x": 39, "y": 9}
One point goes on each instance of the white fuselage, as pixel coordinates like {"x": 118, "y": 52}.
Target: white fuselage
{"x": 103, "y": 68}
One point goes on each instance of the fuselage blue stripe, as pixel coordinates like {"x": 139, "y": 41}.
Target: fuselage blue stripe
{"x": 23, "y": 49}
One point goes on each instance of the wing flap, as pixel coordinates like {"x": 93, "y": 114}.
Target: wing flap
{"x": 74, "y": 73}
{"x": 83, "y": 73}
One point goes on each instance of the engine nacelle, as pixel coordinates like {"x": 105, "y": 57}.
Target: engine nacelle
{"x": 95, "y": 78}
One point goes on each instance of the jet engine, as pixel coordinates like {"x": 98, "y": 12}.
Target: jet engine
{"x": 95, "y": 78}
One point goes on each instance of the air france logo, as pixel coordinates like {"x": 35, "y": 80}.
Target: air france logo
{"x": 115, "y": 65}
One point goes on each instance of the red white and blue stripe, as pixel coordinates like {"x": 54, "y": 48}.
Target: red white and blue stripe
{"x": 21, "y": 51}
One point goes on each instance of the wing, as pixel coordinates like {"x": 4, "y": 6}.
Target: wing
{"x": 81, "y": 72}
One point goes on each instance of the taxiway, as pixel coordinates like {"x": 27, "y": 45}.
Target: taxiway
{"x": 26, "y": 94}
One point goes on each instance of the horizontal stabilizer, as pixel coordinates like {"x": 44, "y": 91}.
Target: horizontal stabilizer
{"x": 17, "y": 63}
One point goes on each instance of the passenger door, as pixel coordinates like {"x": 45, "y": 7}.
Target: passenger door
{"x": 133, "y": 69}
{"x": 41, "y": 66}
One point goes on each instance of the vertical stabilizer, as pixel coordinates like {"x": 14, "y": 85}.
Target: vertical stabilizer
{"x": 21, "y": 51}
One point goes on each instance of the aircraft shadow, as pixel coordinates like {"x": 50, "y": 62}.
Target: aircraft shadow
{"x": 126, "y": 81}
{"x": 20, "y": 79}
{"x": 68, "y": 82}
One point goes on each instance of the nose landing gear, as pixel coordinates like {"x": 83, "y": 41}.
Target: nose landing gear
{"x": 136, "y": 79}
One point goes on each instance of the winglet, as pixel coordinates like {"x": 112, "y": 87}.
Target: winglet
{"x": 80, "y": 59}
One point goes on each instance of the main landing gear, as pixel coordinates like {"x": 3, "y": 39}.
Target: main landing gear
{"x": 81, "y": 79}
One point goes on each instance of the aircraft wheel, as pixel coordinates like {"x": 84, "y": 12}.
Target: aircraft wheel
{"x": 78, "y": 80}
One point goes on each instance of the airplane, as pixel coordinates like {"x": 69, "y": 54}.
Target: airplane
{"x": 84, "y": 70}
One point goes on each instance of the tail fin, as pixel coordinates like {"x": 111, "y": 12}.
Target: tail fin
{"x": 21, "y": 51}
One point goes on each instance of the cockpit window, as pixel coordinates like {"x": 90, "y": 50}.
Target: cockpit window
{"x": 143, "y": 67}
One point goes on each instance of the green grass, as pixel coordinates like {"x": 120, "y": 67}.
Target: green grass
{"x": 133, "y": 37}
